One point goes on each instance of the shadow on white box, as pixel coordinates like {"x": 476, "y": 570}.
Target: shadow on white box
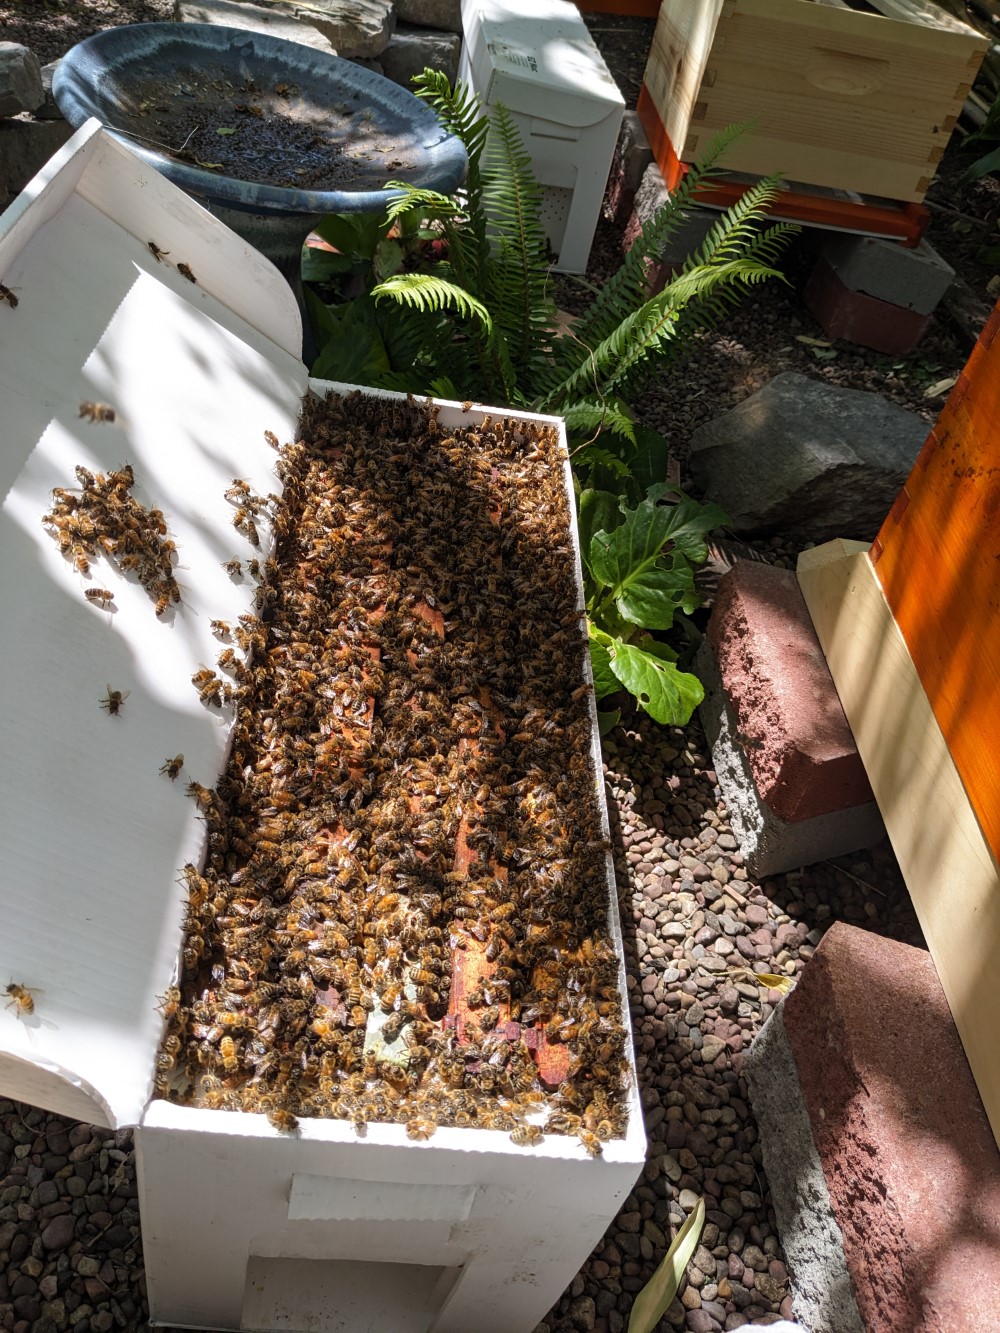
{"x": 243, "y": 1227}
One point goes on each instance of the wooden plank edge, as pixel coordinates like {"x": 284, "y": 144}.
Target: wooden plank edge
{"x": 950, "y": 871}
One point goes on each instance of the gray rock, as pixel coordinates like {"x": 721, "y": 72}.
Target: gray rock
{"x": 446, "y": 14}
{"x": 412, "y": 50}
{"x": 357, "y": 28}
{"x": 25, "y": 147}
{"x": 49, "y": 111}
{"x": 20, "y": 80}
{"x": 274, "y": 20}
{"x": 815, "y": 460}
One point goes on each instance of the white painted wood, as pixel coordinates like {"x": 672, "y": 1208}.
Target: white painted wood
{"x": 951, "y": 874}
{"x": 93, "y": 835}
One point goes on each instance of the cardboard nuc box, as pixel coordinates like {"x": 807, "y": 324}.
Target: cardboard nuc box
{"x": 537, "y": 59}
{"x": 243, "y": 1227}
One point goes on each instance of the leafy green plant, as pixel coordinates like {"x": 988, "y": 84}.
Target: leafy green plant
{"x": 651, "y": 1303}
{"x": 638, "y": 576}
{"x": 466, "y": 312}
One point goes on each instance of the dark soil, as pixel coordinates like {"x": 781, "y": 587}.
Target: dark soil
{"x": 51, "y": 27}
{"x": 268, "y": 135}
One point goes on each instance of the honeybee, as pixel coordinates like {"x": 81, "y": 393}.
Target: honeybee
{"x": 172, "y": 767}
{"x": 95, "y": 412}
{"x": 420, "y": 1128}
{"x": 222, "y": 627}
{"x": 590, "y": 1142}
{"x": 169, "y": 1002}
{"x": 269, "y": 435}
{"x": 22, "y": 999}
{"x": 7, "y": 295}
{"x": 227, "y": 1052}
{"x": 526, "y": 1135}
{"x": 279, "y": 1117}
{"x": 243, "y": 522}
{"x": 100, "y": 596}
{"x": 114, "y": 700}
{"x": 233, "y": 568}
{"x": 185, "y": 271}
{"x": 155, "y": 251}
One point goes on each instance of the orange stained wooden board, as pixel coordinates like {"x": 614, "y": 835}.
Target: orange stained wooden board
{"x": 937, "y": 559}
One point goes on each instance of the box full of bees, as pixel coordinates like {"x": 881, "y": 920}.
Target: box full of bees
{"x": 307, "y": 870}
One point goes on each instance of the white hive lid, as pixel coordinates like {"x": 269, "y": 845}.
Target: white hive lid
{"x": 92, "y": 835}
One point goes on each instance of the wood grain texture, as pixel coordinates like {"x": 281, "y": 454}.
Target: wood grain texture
{"x": 937, "y": 558}
{"x": 951, "y": 873}
{"x": 848, "y": 100}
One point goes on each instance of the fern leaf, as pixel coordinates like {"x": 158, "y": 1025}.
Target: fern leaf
{"x": 592, "y": 456}
{"x": 589, "y": 418}
{"x": 424, "y": 291}
{"x": 412, "y": 198}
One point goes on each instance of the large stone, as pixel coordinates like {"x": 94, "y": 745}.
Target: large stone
{"x": 25, "y": 146}
{"x": 443, "y": 14}
{"x": 48, "y": 109}
{"x": 356, "y": 28}
{"x": 274, "y": 20}
{"x": 884, "y": 1172}
{"x": 20, "y": 80}
{"x": 817, "y": 461}
{"x": 412, "y": 50}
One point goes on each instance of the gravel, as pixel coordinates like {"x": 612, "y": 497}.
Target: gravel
{"x": 696, "y": 927}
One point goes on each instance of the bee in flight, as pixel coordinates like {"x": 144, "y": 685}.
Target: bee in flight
{"x": 21, "y": 999}
{"x": 113, "y": 701}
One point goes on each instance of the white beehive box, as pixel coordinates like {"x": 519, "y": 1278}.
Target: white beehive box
{"x": 243, "y": 1227}
{"x": 538, "y": 59}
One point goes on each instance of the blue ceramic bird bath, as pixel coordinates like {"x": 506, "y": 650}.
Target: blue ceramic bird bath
{"x": 269, "y": 135}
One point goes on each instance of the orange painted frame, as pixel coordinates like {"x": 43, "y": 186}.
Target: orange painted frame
{"x": 937, "y": 558}
{"x": 904, "y": 222}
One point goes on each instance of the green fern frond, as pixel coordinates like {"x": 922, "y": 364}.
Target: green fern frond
{"x": 588, "y": 418}
{"x": 412, "y": 197}
{"x": 592, "y": 455}
{"x": 626, "y": 290}
{"x": 737, "y": 226}
{"x": 424, "y": 291}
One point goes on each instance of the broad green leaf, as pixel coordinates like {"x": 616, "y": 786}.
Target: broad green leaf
{"x": 356, "y": 352}
{"x": 651, "y": 458}
{"x": 605, "y": 680}
{"x": 668, "y": 695}
{"x": 631, "y": 552}
{"x": 322, "y": 265}
{"x": 606, "y": 722}
{"x": 651, "y": 1303}
{"x": 598, "y": 511}
{"x": 981, "y": 167}
{"x": 688, "y": 522}
{"x": 388, "y": 259}
{"x": 654, "y": 597}
{"x": 324, "y": 323}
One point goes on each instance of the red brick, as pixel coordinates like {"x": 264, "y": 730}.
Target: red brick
{"x": 910, "y": 1162}
{"x": 799, "y": 747}
{"x": 862, "y": 319}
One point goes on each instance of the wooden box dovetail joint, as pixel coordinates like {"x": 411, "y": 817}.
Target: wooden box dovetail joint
{"x": 841, "y": 99}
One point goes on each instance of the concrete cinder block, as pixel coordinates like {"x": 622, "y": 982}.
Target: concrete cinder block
{"x": 632, "y": 156}
{"x": 650, "y": 197}
{"x": 915, "y": 279}
{"x": 883, "y": 1169}
{"x": 858, "y": 318}
{"x": 783, "y": 752}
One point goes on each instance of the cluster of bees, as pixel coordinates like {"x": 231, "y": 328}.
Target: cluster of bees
{"x": 103, "y": 518}
{"x": 410, "y": 801}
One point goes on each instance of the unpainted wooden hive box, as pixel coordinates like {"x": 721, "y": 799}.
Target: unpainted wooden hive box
{"x": 841, "y": 99}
